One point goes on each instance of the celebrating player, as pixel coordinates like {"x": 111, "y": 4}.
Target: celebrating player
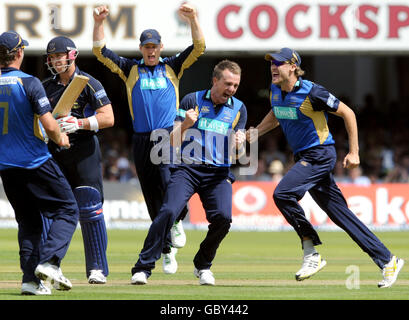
{"x": 206, "y": 172}
{"x": 33, "y": 182}
{"x": 152, "y": 85}
{"x": 81, "y": 163}
{"x": 301, "y": 107}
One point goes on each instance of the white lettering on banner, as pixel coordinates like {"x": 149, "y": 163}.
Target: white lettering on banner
{"x": 116, "y": 210}
{"x": 385, "y": 209}
{"x": 6, "y": 210}
{"x": 312, "y": 210}
{"x": 362, "y": 207}
{"x": 352, "y": 25}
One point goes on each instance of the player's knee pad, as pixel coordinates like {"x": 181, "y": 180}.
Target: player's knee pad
{"x": 93, "y": 228}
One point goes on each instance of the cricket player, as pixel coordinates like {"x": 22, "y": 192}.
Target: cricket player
{"x": 301, "y": 108}
{"x": 152, "y": 85}
{"x": 32, "y": 180}
{"x": 208, "y": 123}
{"x": 81, "y": 163}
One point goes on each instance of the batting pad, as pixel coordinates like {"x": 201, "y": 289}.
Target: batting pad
{"x": 93, "y": 228}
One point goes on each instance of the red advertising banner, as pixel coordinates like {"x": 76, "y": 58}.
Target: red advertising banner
{"x": 378, "y": 205}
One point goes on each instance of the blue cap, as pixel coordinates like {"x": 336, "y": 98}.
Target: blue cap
{"x": 60, "y": 44}
{"x": 150, "y": 36}
{"x": 12, "y": 41}
{"x": 285, "y": 54}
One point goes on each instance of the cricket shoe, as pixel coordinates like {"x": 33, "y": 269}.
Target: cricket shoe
{"x": 97, "y": 277}
{"x": 311, "y": 265}
{"x": 36, "y": 289}
{"x": 178, "y": 235}
{"x": 52, "y": 273}
{"x": 139, "y": 278}
{"x": 205, "y": 276}
{"x": 170, "y": 265}
{"x": 390, "y": 272}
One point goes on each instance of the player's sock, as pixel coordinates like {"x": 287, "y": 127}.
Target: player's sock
{"x": 308, "y": 247}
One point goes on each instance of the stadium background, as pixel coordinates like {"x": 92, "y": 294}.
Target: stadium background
{"x": 360, "y": 52}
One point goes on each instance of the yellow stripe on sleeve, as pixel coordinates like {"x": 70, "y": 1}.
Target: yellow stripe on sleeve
{"x": 198, "y": 49}
{"x": 97, "y": 51}
{"x": 318, "y": 118}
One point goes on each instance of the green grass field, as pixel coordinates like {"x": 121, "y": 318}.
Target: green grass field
{"x": 248, "y": 266}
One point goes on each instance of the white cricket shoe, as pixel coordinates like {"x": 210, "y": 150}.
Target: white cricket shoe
{"x": 97, "y": 277}
{"x": 205, "y": 276}
{"x": 32, "y": 288}
{"x": 52, "y": 273}
{"x": 311, "y": 265}
{"x": 139, "y": 278}
{"x": 178, "y": 235}
{"x": 170, "y": 264}
{"x": 390, "y": 272}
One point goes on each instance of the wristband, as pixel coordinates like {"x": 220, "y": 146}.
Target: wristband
{"x": 93, "y": 123}
{"x": 99, "y": 43}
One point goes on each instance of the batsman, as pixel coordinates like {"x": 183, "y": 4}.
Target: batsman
{"x": 81, "y": 163}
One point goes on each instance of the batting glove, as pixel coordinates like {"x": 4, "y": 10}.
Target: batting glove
{"x": 68, "y": 124}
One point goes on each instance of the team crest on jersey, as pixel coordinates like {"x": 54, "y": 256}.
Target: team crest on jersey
{"x": 276, "y": 97}
{"x": 205, "y": 109}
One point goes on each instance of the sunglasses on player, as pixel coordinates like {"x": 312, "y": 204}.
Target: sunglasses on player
{"x": 278, "y": 63}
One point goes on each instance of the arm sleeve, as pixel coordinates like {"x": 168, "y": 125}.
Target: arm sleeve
{"x": 183, "y": 60}
{"x": 241, "y": 121}
{"x": 97, "y": 97}
{"x": 36, "y": 95}
{"x": 322, "y": 100}
{"x": 119, "y": 65}
{"x": 188, "y": 102}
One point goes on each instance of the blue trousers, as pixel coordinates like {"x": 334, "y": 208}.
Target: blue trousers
{"x": 214, "y": 188}
{"x": 312, "y": 172}
{"x": 32, "y": 192}
{"x": 154, "y": 179}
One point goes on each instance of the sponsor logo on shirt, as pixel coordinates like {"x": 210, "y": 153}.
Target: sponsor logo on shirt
{"x": 213, "y": 125}
{"x": 8, "y": 80}
{"x": 100, "y": 94}
{"x": 285, "y": 113}
{"x": 153, "y": 84}
{"x": 43, "y": 102}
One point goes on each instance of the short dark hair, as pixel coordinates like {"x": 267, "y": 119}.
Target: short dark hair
{"x": 226, "y": 64}
{"x": 6, "y": 57}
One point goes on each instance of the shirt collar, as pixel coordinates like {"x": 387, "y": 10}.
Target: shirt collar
{"x": 8, "y": 69}
{"x": 228, "y": 104}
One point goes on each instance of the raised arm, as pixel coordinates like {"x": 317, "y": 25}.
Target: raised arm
{"x": 189, "y": 14}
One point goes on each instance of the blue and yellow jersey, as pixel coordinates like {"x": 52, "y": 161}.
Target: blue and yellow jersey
{"x": 153, "y": 92}
{"x": 90, "y": 99}
{"x": 22, "y": 102}
{"x": 303, "y": 114}
{"x": 209, "y": 140}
